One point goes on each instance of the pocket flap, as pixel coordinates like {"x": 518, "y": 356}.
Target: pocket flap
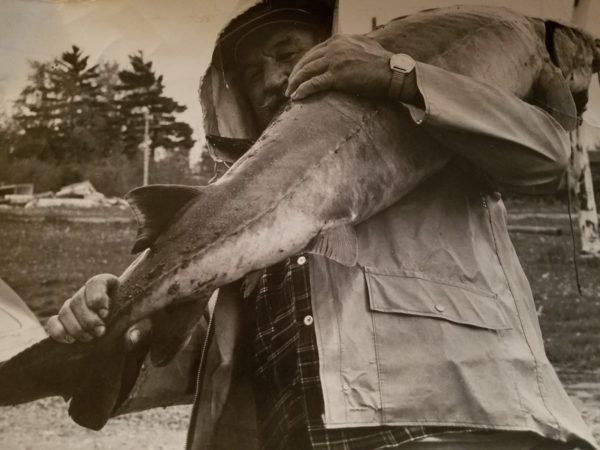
{"x": 421, "y": 297}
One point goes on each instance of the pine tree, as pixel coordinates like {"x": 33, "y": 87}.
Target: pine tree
{"x": 109, "y": 107}
{"x": 7, "y": 137}
{"x": 73, "y": 111}
{"x": 76, "y": 104}
{"x": 140, "y": 88}
{"x": 34, "y": 116}
{"x": 61, "y": 113}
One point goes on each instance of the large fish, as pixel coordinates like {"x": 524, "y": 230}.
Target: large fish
{"x": 323, "y": 163}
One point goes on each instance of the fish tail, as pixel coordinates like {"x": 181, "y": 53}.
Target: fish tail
{"x": 98, "y": 390}
{"x": 47, "y": 368}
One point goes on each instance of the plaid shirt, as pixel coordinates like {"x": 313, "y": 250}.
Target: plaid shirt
{"x": 286, "y": 382}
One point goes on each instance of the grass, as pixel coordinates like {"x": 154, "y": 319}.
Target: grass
{"x": 47, "y": 257}
{"x": 570, "y": 322}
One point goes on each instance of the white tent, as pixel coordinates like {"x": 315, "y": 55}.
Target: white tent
{"x": 19, "y": 328}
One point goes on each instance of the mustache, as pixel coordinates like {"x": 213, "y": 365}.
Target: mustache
{"x": 273, "y": 101}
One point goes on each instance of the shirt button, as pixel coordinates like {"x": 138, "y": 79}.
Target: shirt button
{"x": 308, "y": 320}
{"x": 346, "y": 387}
{"x": 301, "y": 260}
{"x": 440, "y": 308}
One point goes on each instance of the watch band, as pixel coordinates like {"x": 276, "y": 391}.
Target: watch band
{"x": 396, "y": 85}
{"x": 400, "y": 65}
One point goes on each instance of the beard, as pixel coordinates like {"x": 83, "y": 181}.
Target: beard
{"x": 270, "y": 108}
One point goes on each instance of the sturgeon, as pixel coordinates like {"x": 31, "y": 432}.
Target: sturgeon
{"x": 326, "y": 162}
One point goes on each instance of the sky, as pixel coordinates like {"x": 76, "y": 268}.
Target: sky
{"x": 177, "y": 35}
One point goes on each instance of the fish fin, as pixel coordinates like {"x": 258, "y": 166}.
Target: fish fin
{"x": 171, "y": 330}
{"x": 47, "y": 368}
{"x": 132, "y": 369}
{"x": 339, "y": 244}
{"x": 99, "y": 391}
{"x": 552, "y": 94}
{"x": 154, "y": 206}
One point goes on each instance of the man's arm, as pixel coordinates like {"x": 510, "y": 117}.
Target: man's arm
{"x": 518, "y": 145}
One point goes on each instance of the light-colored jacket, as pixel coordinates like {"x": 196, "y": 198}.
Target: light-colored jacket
{"x": 436, "y": 324}
{"x": 433, "y": 322}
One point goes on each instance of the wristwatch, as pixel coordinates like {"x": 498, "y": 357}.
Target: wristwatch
{"x": 401, "y": 64}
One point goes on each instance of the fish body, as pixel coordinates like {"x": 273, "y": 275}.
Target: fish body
{"x": 323, "y": 163}
{"x": 539, "y": 61}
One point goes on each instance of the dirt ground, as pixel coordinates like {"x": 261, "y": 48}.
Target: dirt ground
{"x": 46, "y": 255}
{"x": 584, "y": 389}
{"x": 45, "y": 425}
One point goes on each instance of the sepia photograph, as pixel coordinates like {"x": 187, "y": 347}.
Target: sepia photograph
{"x": 299, "y": 224}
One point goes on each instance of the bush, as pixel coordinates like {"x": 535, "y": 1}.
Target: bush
{"x": 113, "y": 176}
{"x": 44, "y": 175}
{"x": 175, "y": 169}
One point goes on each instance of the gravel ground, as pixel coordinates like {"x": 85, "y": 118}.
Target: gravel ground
{"x": 584, "y": 389}
{"x": 45, "y": 425}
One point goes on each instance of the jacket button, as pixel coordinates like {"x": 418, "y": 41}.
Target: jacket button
{"x": 440, "y": 308}
{"x": 346, "y": 387}
{"x": 301, "y": 260}
{"x": 308, "y": 320}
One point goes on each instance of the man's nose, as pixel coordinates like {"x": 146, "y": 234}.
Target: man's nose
{"x": 276, "y": 76}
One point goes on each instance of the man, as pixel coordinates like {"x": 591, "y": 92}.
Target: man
{"x": 431, "y": 340}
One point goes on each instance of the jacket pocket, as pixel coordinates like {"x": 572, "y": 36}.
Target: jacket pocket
{"x": 419, "y": 296}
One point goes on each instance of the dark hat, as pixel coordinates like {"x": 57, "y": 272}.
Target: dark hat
{"x": 317, "y": 13}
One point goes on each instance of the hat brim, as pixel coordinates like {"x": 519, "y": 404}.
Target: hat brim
{"x": 266, "y": 14}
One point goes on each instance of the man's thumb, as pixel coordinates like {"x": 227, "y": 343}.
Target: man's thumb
{"x": 137, "y": 334}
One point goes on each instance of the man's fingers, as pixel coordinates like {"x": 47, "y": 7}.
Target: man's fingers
{"x": 313, "y": 54}
{"x": 57, "y": 332}
{"x": 71, "y": 324}
{"x": 80, "y": 317}
{"x": 89, "y": 320}
{"x": 316, "y": 84}
{"x": 98, "y": 293}
{"x": 309, "y": 70}
{"x": 137, "y": 334}
{"x": 316, "y": 52}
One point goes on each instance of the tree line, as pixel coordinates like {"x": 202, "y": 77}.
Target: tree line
{"x": 73, "y": 111}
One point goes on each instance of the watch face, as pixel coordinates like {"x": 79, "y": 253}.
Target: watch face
{"x": 402, "y": 63}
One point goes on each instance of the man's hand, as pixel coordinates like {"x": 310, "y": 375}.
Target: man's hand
{"x": 81, "y": 318}
{"x": 353, "y": 64}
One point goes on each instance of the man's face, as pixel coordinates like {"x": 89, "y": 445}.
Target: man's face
{"x": 265, "y": 60}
